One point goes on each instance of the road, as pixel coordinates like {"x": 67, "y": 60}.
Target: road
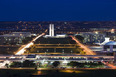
{"x": 110, "y": 65}
{"x": 86, "y": 49}
{"x": 21, "y": 51}
{"x": 67, "y": 57}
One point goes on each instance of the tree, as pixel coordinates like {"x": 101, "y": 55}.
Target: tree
{"x": 80, "y": 38}
{"x": 56, "y": 63}
{"x": 27, "y": 39}
{"x": 28, "y": 50}
{"x": 6, "y": 65}
{"x": 28, "y": 63}
{"x": 15, "y": 64}
{"x": 73, "y": 64}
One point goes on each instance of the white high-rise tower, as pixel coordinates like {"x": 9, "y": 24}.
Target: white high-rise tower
{"x": 51, "y": 29}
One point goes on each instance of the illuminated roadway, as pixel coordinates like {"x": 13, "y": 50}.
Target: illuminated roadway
{"x": 108, "y": 64}
{"x": 57, "y": 58}
{"x": 86, "y": 49}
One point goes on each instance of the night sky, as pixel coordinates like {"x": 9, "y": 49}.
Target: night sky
{"x": 57, "y": 10}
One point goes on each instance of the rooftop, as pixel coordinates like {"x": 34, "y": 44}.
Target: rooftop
{"x": 111, "y": 43}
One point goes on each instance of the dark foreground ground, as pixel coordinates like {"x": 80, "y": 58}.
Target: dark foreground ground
{"x": 58, "y": 73}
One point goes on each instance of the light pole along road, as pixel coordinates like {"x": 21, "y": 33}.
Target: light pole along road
{"x": 86, "y": 49}
{"x": 22, "y": 50}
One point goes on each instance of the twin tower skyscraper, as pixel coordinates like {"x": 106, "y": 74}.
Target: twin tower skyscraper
{"x": 51, "y": 30}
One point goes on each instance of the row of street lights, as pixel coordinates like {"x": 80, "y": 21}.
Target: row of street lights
{"x": 54, "y": 51}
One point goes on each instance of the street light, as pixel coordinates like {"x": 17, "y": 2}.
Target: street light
{"x": 71, "y": 51}
{"x": 63, "y": 51}
{"x": 45, "y": 53}
{"x": 47, "y": 50}
{"x": 54, "y": 49}
{"x": 38, "y": 51}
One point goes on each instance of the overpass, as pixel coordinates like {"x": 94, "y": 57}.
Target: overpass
{"x": 57, "y": 58}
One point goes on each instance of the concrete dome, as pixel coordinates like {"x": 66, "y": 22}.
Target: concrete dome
{"x": 111, "y": 43}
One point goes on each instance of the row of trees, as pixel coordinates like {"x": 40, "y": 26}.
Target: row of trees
{"x": 80, "y": 38}
{"x": 27, "y": 39}
{"x": 26, "y": 63}
{"x": 86, "y": 64}
{"x": 56, "y": 64}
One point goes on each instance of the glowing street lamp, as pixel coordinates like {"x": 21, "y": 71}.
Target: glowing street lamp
{"x": 63, "y": 51}
{"x": 71, "y": 51}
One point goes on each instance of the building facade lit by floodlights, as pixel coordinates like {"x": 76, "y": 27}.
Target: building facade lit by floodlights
{"x": 51, "y": 29}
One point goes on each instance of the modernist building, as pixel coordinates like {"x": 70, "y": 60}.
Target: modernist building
{"x": 22, "y": 34}
{"x": 110, "y": 46}
{"x": 51, "y": 30}
{"x": 14, "y": 38}
{"x": 9, "y": 39}
{"x": 93, "y": 37}
{"x": 52, "y": 34}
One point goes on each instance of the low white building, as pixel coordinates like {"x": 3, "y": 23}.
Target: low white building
{"x": 14, "y": 38}
{"x": 90, "y": 37}
{"x": 22, "y": 34}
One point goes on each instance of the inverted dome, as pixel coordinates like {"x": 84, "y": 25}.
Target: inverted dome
{"x": 111, "y": 43}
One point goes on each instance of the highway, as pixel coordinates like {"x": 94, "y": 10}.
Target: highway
{"x": 108, "y": 64}
{"x": 57, "y": 57}
{"x": 86, "y": 49}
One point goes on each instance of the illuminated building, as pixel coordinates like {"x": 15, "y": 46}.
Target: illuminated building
{"x": 51, "y": 29}
{"x": 51, "y": 33}
{"x": 14, "y": 38}
{"x": 109, "y": 46}
{"x": 93, "y": 37}
{"x": 112, "y": 30}
{"x": 22, "y": 34}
